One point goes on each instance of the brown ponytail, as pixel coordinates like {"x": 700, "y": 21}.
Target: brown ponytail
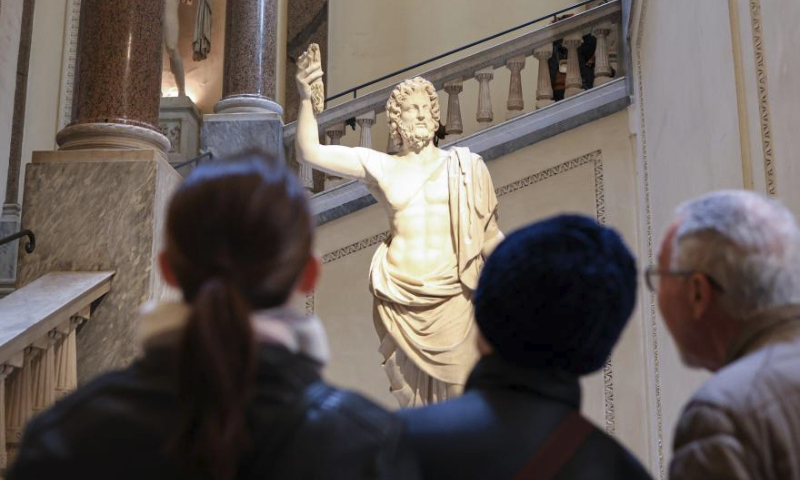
{"x": 239, "y": 234}
{"x": 216, "y": 365}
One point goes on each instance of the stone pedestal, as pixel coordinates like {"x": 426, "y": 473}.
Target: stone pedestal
{"x": 226, "y": 134}
{"x": 97, "y": 210}
{"x": 9, "y": 225}
{"x": 180, "y": 121}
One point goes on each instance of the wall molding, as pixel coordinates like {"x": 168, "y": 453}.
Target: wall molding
{"x": 595, "y": 159}
{"x": 765, "y": 117}
{"x": 649, "y": 243}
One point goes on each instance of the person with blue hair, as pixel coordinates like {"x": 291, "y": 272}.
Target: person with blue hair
{"x": 551, "y": 303}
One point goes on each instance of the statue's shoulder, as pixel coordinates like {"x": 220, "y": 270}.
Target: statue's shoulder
{"x": 375, "y": 163}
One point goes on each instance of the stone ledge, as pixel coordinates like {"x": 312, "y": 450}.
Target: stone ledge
{"x": 28, "y": 314}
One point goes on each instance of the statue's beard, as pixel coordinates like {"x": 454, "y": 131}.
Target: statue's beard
{"x": 415, "y": 139}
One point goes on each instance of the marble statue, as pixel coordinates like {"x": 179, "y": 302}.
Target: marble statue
{"x": 171, "y": 35}
{"x": 201, "y": 44}
{"x": 442, "y": 213}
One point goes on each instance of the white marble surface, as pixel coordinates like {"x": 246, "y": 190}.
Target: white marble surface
{"x": 29, "y": 313}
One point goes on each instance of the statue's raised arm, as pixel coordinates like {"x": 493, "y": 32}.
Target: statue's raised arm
{"x": 336, "y": 160}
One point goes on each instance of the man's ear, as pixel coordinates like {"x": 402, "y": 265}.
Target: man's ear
{"x": 701, "y": 295}
{"x": 166, "y": 270}
{"x": 310, "y": 275}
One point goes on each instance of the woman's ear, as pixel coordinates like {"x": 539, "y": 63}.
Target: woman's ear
{"x": 310, "y": 275}
{"x": 166, "y": 270}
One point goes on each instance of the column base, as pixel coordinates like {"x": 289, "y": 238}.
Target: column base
{"x": 227, "y": 134}
{"x": 9, "y": 225}
{"x": 110, "y": 136}
{"x": 100, "y": 210}
{"x": 247, "y": 104}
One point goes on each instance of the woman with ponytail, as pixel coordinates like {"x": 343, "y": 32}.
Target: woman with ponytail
{"x": 229, "y": 385}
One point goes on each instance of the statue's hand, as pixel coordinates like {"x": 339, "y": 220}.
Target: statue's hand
{"x": 309, "y": 77}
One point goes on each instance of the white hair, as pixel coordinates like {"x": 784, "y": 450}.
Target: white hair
{"x": 747, "y": 243}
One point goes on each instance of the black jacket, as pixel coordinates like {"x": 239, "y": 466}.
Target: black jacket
{"x": 117, "y": 426}
{"x": 506, "y": 414}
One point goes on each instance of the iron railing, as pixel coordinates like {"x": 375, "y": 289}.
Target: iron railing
{"x": 30, "y": 245}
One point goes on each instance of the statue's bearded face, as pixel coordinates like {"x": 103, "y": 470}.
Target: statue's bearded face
{"x": 417, "y": 125}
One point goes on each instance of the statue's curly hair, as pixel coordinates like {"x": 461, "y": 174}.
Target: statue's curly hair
{"x": 402, "y": 91}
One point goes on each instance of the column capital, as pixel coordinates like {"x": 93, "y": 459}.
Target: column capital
{"x": 484, "y": 74}
{"x": 573, "y": 40}
{"x": 367, "y": 118}
{"x": 516, "y": 63}
{"x": 544, "y": 52}
{"x": 454, "y": 86}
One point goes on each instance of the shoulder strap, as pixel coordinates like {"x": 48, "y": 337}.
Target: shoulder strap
{"x": 557, "y": 450}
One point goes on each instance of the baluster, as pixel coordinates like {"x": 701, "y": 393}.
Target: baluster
{"x": 5, "y": 370}
{"x": 365, "y": 121}
{"x": 454, "y": 127}
{"x": 484, "y": 115}
{"x": 66, "y": 361}
{"x": 43, "y": 372}
{"x": 602, "y": 67}
{"x": 335, "y": 134}
{"x": 544, "y": 88}
{"x": 574, "y": 82}
{"x": 18, "y": 405}
{"x": 515, "y": 102}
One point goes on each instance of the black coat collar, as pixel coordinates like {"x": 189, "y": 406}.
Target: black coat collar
{"x": 494, "y": 373}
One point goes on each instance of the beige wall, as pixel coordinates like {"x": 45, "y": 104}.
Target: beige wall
{"x": 566, "y": 181}
{"x": 44, "y": 80}
{"x": 704, "y": 123}
{"x": 10, "y": 24}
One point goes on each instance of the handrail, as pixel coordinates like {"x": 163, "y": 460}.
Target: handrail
{"x": 494, "y": 56}
{"x": 355, "y": 89}
{"x": 29, "y": 313}
{"x": 30, "y": 245}
{"x": 195, "y": 159}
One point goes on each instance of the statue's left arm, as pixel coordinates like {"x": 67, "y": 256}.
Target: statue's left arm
{"x": 492, "y": 236}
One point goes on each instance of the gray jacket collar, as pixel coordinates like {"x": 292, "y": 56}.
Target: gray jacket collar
{"x": 770, "y": 326}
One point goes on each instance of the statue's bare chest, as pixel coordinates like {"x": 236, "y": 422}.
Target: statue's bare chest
{"x": 416, "y": 188}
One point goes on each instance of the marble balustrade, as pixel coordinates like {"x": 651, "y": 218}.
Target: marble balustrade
{"x": 38, "y": 353}
{"x": 600, "y": 23}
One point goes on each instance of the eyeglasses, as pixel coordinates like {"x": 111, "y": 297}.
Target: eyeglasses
{"x": 652, "y": 277}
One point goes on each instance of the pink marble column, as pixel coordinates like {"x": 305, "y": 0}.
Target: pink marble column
{"x": 249, "y": 72}
{"x": 118, "y": 79}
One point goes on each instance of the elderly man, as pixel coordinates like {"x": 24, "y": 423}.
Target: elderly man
{"x": 443, "y": 222}
{"x": 551, "y": 303}
{"x": 728, "y": 284}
